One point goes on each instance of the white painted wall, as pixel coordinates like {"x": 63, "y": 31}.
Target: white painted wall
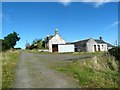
{"x": 103, "y": 47}
{"x": 110, "y": 48}
{"x": 66, "y": 48}
{"x": 55, "y": 40}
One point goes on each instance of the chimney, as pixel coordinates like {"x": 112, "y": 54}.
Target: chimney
{"x": 56, "y": 31}
{"x": 100, "y": 38}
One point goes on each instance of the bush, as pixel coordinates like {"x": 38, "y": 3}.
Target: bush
{"x": 115, "y": 52}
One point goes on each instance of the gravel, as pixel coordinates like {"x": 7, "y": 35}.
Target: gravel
{"x": 33, "y": 71}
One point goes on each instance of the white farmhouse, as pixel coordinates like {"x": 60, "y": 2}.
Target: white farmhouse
{"x": 58, "y": 44}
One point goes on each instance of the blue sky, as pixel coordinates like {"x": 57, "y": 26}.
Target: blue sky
{"x": 75, "y": 21}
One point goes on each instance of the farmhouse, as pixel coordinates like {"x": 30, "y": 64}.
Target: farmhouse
{"x": 91, "y": 45}
{"x": 57, "y": 44}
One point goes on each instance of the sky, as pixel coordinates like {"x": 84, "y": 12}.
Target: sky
{"x": 75, "y": 20}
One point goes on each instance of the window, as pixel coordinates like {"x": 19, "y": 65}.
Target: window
{"x": 102, "y": 46}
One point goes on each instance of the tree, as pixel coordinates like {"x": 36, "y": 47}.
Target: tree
{"x": 46, "y": 40}
{"x": 10, "y": 41}
{"x": 27, "y": 45}
{"x": 36, "y": 44}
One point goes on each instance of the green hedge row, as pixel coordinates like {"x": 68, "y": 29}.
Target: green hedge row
{"x": 115, "y": 52}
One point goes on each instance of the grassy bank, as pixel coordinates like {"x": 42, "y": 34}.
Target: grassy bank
{"x": 9, "y": 60}
{"x": 101, "y": 71}
{"x": 0, "y": 70}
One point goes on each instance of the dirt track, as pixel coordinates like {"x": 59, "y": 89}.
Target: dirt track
{"x": 33, "y": 71}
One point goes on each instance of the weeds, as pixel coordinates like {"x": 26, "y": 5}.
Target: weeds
{"x": 9, "y": 60}
{"x": 101, "y": 71}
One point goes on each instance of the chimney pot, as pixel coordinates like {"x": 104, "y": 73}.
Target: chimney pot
{"x": 100, "y": 38}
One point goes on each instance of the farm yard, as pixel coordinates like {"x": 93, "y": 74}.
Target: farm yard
{"x": 59, "y": 44}
{"x": 32, "y": 69}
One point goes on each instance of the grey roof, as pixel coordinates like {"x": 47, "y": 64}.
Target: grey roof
{"x": 103, "y": 42}
{"x": 83, "y": 43}
{"x": 51, "y": 36}
{"x": 80, "y": 43}
{"x": 109, "y": 45}
{"x": 99, "y": 41}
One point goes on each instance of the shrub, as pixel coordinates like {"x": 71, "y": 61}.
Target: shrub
{"x": 115, "y": 52}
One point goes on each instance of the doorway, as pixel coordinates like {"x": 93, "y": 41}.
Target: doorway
{"x": 95, "y": 48}
{"x": 98, "y": 47}
{"x": 55, "y": 48}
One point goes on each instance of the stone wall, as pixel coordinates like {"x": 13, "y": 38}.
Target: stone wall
{"x": 90, "y": 46}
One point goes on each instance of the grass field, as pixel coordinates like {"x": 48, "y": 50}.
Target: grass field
{"x": 0, "y": 70}
{"x": 101, "y": 71}
{"x": 9, "y": 60}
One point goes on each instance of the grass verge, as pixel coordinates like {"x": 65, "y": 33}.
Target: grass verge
{"x": 101, "y": 71}
{"x": 9, "y": 60}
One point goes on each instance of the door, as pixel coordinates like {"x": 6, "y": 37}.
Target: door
{"x": 95, "y": 48}
{"x": 98, "y": 47}
{"x": 55, "y": 48}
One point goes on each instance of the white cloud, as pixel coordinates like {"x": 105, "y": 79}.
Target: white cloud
{"x": 65, "y": 2}
{"x": 97, "y": 3}
{"x": 102, "y": 2}
{"x": 115, "y": 23}
{"x": 112, "y": 25}
{"x": 76, "y": 40}
{"x": 6, "y": 18}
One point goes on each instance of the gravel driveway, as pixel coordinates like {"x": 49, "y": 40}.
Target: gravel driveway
{"x": 33, "y": 71}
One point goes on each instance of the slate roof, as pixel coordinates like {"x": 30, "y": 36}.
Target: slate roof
{"x": 80, "y": 43}
{"x": 83, "y": 43}
{"x": 109, "y": 45}
{"x": 101, "y": 41}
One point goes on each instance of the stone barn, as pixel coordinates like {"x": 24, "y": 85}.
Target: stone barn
{"x": 91, "y": 45}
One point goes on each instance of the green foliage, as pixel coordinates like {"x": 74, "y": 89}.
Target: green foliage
{"x": 9, "y": 60}
{"x": 39, "y": 43}
{"x": 46, "y": 39}
{"x": 36, "y": 44}
{"x": 98, "y": 72}
{"x": 10, "y": 41}
{"x": 0, "y": 44}
{"x": 115, "y": 52}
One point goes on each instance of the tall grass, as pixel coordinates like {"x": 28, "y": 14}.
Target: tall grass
{"x": 9, "y": 60}
{"x": 101, "y": 71}
{"x": 0, "y": 70}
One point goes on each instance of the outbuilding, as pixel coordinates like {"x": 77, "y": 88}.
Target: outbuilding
{"x": 58, "y": 44}
{"x": 61, "y": 48}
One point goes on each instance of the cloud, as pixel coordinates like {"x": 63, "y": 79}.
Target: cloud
{"x": 65, "y": 2}
{"x": 96, "y": 4}
{"x": 115, "y": 23}
{"x": 102, "y": 2}
{"x": 112, "y": 25}
{"x": 6, "y": 17}
{"x": 75, "y": 40}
